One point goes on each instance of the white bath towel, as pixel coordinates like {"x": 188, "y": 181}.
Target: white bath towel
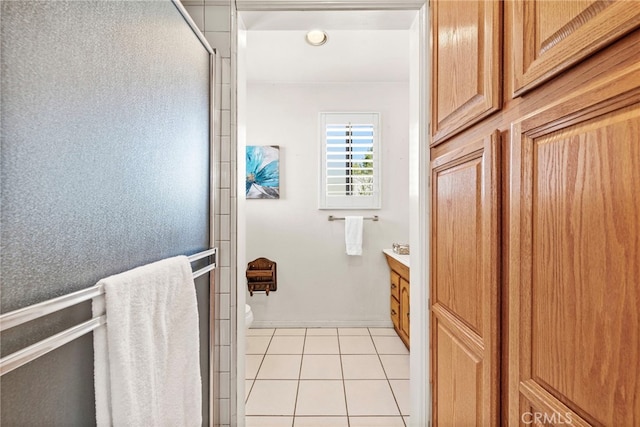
{"x": 353, "y": 234}
{"x": 147, "y": 359}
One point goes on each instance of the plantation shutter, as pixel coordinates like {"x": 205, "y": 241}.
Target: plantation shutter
{"x": 350, "y": 161}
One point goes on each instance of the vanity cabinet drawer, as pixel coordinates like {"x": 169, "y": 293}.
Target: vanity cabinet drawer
{"x": 395, "y": 312}
{"x": 395, "y": 285}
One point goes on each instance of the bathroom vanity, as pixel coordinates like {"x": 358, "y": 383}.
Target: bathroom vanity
{"x": 399, "y": 280}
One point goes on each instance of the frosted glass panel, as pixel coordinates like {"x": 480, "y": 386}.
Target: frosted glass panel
{"x": 105, "y": 166}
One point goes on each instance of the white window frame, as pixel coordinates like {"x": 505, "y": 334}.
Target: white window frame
{"x": 373, "y": 201}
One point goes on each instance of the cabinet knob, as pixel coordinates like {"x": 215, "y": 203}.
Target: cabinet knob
{"x": 393, "y": 312}
{"x": 393, "y": 286}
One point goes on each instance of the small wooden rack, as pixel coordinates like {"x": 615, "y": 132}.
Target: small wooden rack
{"x": 261, "y": 276}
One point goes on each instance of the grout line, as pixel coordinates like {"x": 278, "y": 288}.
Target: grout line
{"x": 253, "y": 383}
{"x": 295, "y": 405}
{"x": 388, "y": 381}
{"x": 344, "y": 386}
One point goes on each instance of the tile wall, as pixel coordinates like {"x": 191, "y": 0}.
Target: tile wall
{"x": 214, "y": 19}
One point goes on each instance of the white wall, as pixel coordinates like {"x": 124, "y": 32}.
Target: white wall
{"x": 318, "y": 284}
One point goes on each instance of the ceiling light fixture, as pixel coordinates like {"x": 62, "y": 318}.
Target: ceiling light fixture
{"x": 316, "y": 37}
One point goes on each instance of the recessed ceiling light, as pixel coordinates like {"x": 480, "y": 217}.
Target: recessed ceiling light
{"x": 316, "y": 37}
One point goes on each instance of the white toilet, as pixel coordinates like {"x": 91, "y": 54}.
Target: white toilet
{"x": 248, "y": 316}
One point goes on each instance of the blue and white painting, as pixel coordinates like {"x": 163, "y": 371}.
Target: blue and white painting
{"x": 263, "y": 174}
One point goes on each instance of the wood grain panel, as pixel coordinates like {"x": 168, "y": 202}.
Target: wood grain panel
{"x": 586, "y": 263}
{"x": 458, "y": 247}
{"x": 574, "y": 255}
{"x": 557, "y": 13}
{"x": 466, "y": 83}
{"x": 550, "y": 36}
{"x": 459, "y": 376}
{"x": 464, "y": 284}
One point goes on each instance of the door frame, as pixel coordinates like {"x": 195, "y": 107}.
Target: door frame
{"x": 419, "y": 182}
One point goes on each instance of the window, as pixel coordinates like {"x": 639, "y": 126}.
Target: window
{"x": 350, "y": 161}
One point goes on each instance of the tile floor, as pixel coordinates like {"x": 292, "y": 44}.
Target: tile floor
{"x": 333, "y": 377}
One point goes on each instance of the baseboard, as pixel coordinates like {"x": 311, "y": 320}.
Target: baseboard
{"x": 262, "y": 324}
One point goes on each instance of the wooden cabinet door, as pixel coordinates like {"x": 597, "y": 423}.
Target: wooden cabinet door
{"x": 466, "y": 64}
{"x": 404, "y": 309}
{"x": 574, "y": 259}
{"x": 465, "y": 285}
{"x": 551, "y": 35}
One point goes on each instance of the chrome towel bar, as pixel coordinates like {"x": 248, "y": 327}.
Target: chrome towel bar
{"x": 35, "y": 311}
{"x": 23, "y": 315}
{"x": 337, "y": 218}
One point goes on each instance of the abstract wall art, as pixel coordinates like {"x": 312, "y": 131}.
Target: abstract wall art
{"x": 263, "y": 172}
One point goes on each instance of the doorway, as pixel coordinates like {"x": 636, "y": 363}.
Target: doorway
{"x": 257, "y": 23}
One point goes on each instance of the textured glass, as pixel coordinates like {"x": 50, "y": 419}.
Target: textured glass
{"x": 105, "y": 166}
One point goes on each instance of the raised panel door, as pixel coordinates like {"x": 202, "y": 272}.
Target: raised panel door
{"x": 465, "y": 285}
{"x": 404, "y": 310}
{"x": 551, "y": 35}
{"x": 466, "y": 64}
{"x": 574, "y": 261}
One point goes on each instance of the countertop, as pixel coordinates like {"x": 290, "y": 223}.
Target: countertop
{"x": 404, "y": 259}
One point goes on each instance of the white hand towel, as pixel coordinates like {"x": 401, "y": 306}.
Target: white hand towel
{"x": 147, "y": 359}
{"x": 353, "y": 234}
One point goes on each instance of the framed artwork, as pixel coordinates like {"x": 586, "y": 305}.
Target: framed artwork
{"x": 263, "y": 172}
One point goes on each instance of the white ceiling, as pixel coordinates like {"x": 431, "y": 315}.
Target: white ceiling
{"x": 363, "y": 46}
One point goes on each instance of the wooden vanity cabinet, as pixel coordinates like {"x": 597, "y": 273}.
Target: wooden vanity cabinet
{"x": 400, "y": 315}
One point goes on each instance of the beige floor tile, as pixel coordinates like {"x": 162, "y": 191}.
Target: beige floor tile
{"x": 290, "y": 331}
{"x": 321, "y": 367}
{"x": 353, "y": 331}
{"x": 272, "y": 397}
{"x": 259, "y": 332}
{"x": 280, "y": 367}
{"x": 390, "y": 345}
{"x": 321, "y": 345}
{"x": 401, "y": 392}
{"x": 253, "y": 421}
{"x": 376, "y": 422}
{"x": 320, "y": 397}
{"x": 396, "y": 366}
{"x": 286, "y": 345}
{"x": 320, "y": 422}
{"x": 251, "y": 365}
{"x": 356, "y": 345}
{"x": 383, "y": 332}
{"x": 257, "y": 344}
{"x": 370, "y": 397}
{"x": 322, "y": 331}
{"x": 362, "y": 367}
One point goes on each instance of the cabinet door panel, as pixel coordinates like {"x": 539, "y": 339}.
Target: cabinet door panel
{"x": 404, "y": 308}
{"x": 466, "y": 64}
{"x": 458, "y": 372}
{"x": 465, "y": 285}
{"x": 575, "y": 264}
{"x": 551, "y": 35}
